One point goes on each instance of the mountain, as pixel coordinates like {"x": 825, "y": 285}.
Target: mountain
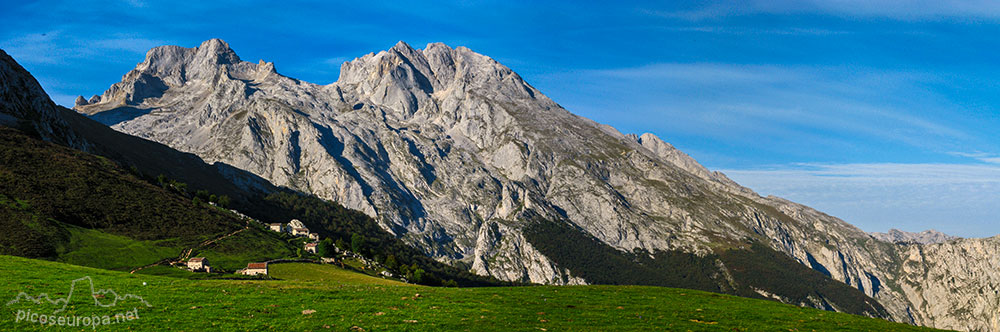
{"x": 459, "y": 156}
{"x": 926, "y": 237}
{"x": 88, "y": 215}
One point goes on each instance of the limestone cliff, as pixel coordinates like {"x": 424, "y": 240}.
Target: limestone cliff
{"x": 456, "y": 153}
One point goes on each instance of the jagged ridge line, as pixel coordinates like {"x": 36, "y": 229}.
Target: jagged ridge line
{"x": 72, "y": 289}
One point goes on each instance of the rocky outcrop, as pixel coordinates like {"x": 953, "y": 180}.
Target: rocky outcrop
{"x": 80, "y": 101}
{"x": 24, "y": 103}
{"x": 456, "y": 153}
{"x": 926, "y": 237}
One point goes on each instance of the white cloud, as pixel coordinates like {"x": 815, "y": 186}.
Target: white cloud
{"x": 981, "y": 156}
{"x": 824, "y": 105}
{"x": 906, "y": 10}
{"x": 793, "y": 31}
{"x": 335, "y": 61}
{"x": 57, "y": 48}
{"x": 956, "y": 198}
{"x": 125, "y": 43}
{"x": 40, "y": 48}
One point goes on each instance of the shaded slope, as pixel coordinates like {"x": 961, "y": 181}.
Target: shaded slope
{"x": 64, "y": 204}
{"x": 751, "y": 270}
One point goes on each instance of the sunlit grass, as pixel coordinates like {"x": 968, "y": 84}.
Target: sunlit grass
{"x": 314, "y": 298}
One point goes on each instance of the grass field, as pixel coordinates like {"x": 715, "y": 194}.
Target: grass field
{"x": 344, "y": 300}
{"x": 327, "y": 274}
{"x": 91, "y": 247}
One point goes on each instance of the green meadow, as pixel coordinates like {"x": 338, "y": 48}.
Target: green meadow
{"x": 311, "y": 297}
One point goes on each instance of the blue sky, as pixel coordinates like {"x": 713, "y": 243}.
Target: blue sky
{"x": 884, "y": 113}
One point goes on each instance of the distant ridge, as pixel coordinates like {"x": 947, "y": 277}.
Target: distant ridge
{"x": 926, "y": 237}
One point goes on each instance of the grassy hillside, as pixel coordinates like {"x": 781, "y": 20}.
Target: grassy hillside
{"x": 65, "y": 205}
{"x": 343, "y": 300}
{"x": 327, "y": 274}
{"x": 746, "y": 271}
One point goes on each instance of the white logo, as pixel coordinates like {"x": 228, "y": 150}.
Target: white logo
{"x": 111, "y": 299}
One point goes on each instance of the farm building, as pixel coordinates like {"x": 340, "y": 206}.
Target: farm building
{"x": 255, "y": 269}
{"x": 300, "y": 231}
{"x": 199, "y": 264}
{"x": 311, "y": 247}
{"x": 280, "y": 228}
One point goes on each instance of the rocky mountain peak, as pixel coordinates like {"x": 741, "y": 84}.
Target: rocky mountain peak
{"x": 669, "y": 152}
{"x": 408, "y": 79}
{"x": 402, "y": 46}
{"x": 213, "y": 62}
{"x": 80, "y": 101}
{"x": 678, "y": 158}
{"x": 929, "y": 236}
{"x": 217, "y": 51}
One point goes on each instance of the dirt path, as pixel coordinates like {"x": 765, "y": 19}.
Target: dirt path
{"x": 186, "y": 254}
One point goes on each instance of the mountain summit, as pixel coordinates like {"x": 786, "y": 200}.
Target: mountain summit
{"x": 457, "y": 155}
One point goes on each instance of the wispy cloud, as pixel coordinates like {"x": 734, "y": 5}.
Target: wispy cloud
{"x": 128, "y": 43}
{"x": 813, "y": 108}
{"x": 335, "y": 61}
{"x": 790, "y": 31}
{"x": 42, "y": 47}
{"x": 906, "y": 10}
{"x": 56, "y": 47}
{"x": 955, "y": 198}
{"x": 981, "y": 156}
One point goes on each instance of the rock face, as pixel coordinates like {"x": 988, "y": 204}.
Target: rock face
{"x": 23, "y": 101}
{"x": 926, "y": 237}
{"x": 456, "y": 153}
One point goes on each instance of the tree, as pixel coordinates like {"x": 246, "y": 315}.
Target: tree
{"x": 223, "y": 201}
{"x": 342, "y": 245}
{"x": 390, "y": 262}
{"x": 418, "y": 276}
{"x": 326, "y": 248}
{"x": 357, "y": 242}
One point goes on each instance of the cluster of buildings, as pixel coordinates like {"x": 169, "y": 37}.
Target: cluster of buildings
{"x": 293, "y": 227}
{"x": 297, "y": 228}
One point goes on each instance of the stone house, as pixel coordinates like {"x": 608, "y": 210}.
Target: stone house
{"x": 300, "y": 231}
{"x": 276, "y": 227}
{"x": 199, "y": 264}
{"x": 311, "y": 247}
{"x": 255, "y": 269}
